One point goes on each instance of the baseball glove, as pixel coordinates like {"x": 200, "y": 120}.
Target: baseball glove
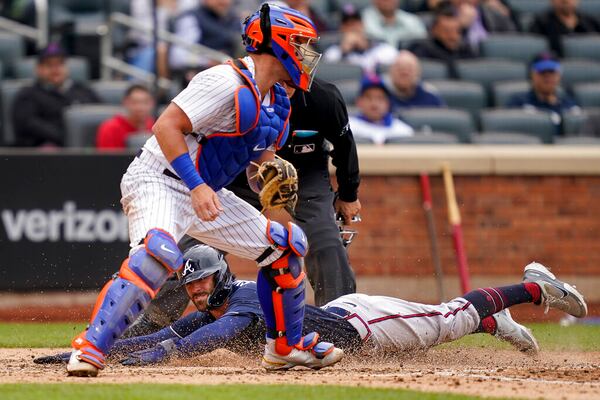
{"x": 278, "y": 183}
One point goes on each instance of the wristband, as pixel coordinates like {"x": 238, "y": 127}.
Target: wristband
{"x": 186, "y": 170}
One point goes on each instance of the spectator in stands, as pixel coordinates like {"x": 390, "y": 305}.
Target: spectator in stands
{"x": 385, "y": 21}
{"x": 138, "y": 104}
{"x": 140, "y": 50}
{"x": 355, "y": 47}
{"x": 307, "y": 9}
{"x": 479, "y": 18}
{"x": 563, "y": 19}
{"x": 37, "y": 110}
{"x": 545, "y": 91}
{"x": 212, "y": 23}
{"x": 406, "y": 87}
{"x": 445, "y": 41}
{"x": 375, "y": 121}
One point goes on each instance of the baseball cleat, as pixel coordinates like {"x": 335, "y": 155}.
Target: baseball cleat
{"x": 77, "y": 367}
{"x": 322, "y": 355}
{"x": 555, "y": 294}
{"x": 508, "y": 330}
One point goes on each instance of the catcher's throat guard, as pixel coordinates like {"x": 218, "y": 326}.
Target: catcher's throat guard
{"x": 280, "y": 286}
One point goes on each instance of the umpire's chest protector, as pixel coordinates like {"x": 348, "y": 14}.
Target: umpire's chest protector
{"x": 223, "y": 156}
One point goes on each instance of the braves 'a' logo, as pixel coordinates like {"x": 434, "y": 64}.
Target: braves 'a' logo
{"x": 188, "y": 268}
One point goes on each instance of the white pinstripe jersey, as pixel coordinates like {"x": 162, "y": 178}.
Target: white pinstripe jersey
{"x": 208, "y": 102}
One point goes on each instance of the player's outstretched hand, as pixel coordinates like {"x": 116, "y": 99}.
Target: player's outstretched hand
{"x": 154, "y": 355}
{"x": 60, "y": 358}
{"x": 206, "y": 203}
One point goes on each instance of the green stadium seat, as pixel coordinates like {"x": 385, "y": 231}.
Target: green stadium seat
{"x": 529, "y": 6}
{"x": 489, "y": 71}
{"x": 503, "y": 91}
{"x": 590, "y": 7}
{"x": 110, "y": 92}
{"x": 430, "y": 138}
{"x": 578, "y": 141}
{"x": 349, "y": 90}
{"x": 469, "y": 96}
{"x": 430, "y": 69}
{"x": 12, "y": 49}
{"x": 513, "y": 46}
{"x": 333, "y": 72}
{"x": 573, "y": 122}
{"x": 136, "y": 141}
{"x": 579, "y": 71}
{"x": 587, "y": 94}
{"x": 508, "y": 138}
{"x": 78, "y": 67}
{"x": 582, "y": 46}
{"x": 8, "y": 91}
{"x": 447, "y": 120}
{"x": 82, "y": 122}
{"x": 531, "y": 122}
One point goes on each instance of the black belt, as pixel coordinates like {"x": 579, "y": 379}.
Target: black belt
{"x": 340, "y": 312}
{"x": 166, "y": 171}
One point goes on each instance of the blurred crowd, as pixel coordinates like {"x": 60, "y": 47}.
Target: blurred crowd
{"x": 483, "y": 64}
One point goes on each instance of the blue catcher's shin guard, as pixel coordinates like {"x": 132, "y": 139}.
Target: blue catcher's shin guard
{"x": 280, "y": 287}
{"x": 124, "y": 298}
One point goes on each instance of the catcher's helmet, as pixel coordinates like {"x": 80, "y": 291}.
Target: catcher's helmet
{"x": 287, "y": 34}
{"x": 202, "y": 261}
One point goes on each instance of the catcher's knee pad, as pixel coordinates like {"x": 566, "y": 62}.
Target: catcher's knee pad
{"x": 124, "y": 298}
{"x": 280, "y": 286}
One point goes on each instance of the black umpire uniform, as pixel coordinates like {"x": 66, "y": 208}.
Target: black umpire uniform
{"x": 319, "y": 119}
{"x": 317, "y": 116}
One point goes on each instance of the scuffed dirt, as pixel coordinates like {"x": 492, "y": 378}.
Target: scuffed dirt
{"x": 505, "y": 373}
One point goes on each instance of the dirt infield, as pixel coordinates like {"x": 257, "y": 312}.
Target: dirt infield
{"x": 552, "y": 375}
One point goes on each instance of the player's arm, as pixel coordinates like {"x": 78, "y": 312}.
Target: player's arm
{"x": 169, "y": 130}
{"x": 344, "y": 156}
{"x": 203, "y": 340}
{"x": 252, "y": 169}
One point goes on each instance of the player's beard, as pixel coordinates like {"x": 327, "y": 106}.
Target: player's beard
{"x": 200, "y": 300}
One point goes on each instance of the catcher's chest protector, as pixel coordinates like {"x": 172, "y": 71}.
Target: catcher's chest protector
{"x": 223, "y": 156}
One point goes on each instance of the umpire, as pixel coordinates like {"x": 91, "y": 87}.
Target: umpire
{"x": 319, "y": 119}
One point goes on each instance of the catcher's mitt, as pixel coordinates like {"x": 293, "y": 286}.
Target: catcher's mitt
{"x": 278, "y": 183}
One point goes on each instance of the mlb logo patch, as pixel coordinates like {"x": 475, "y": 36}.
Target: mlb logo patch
{"x": 304, "y": 148}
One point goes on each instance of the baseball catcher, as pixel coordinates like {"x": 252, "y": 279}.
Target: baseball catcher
{"x": 229, "y": 316}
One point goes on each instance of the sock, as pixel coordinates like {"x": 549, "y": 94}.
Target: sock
{"x": 488, "y": 301}
{"x": 487, "y": 325}
{"x": 535, "y": 292}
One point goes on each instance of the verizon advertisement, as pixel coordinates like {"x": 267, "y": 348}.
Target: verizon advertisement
{"x": 61, "y": 224}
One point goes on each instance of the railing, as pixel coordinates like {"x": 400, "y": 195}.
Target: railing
{"x": 111, "y": 63}
{"x": 39, "y": 34}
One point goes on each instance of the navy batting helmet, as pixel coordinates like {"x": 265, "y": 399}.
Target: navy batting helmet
{"x": 202, "y": 261}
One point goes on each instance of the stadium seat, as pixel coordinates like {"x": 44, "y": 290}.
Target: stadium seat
{"x": 9, "y": 89}
{"x": 349, "y": 90}
{"x": 578, "y": 140}
{"x": 78, "y": 68}
{"x": 587, "y": 94}
{"x": 531, "y": 122}
{"x": 12, "y": 49}
{"x": 456, "y": 122}
{"x": 333, "y": 72}
{"x": 573, "y": 122}
{"x": 489, "y": 71}
{"x": 328, "y": 39}
{"x": 110, "y": 92}
{"x": 430, "y": 69}
{"x": 134, "y": 142}
{"x": 513, "y": 46}
{"x": 577, "y": 71}
{"x": 505, "y": 138}
{"x": 503, "y": 91}
{"x": 582, "y": 46}
{"x": 590, "y": 7}
{"x": 469, "y": 96}
{"x": 82, "y": 122}
{"x": 528, "y": 6}
{"x": 429, "y": 138}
